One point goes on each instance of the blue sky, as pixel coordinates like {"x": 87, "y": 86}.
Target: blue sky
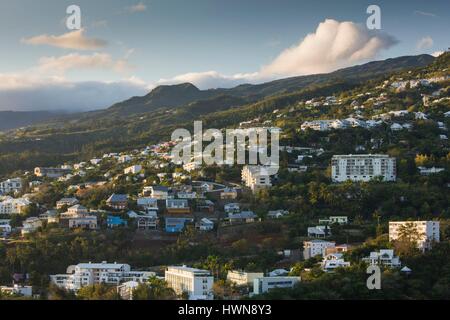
{"x": 209, "y": 42}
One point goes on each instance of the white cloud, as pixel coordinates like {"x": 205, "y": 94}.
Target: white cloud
{"x": 140, "y": 7}
{"x": 425, "y": 43}
{"x": 437, "y": 53}
{"x": 20, "y": 92}
{"x": 75, "y": 61}
{"x": 424, "y": 13}
{"x": 332, "y": 46}
{"x": 71, "y": 40}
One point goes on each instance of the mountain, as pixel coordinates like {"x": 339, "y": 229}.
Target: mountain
{"x": 16, "y": 119}
{"x": 186, "y": 93}
{"x": 140, "y": 121}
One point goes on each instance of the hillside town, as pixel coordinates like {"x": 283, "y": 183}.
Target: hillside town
{"x": 322, "y": 213}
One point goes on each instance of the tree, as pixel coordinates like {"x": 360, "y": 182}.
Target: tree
{"x": 98, "y": 292}
{"x": 408, "y": 239}
{"x": 58, "y": 293}
{"x": 154, "y": 289}
{"x": 225, "y": 290}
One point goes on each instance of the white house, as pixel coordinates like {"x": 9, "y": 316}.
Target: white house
{"x": 424, "y": 171}
{"x": 319, "y": 231}
{"x": 332, "y": 261}
{"x": 133, "y": 169}
{"x": 66, "y": 202}
{"x": 86, "y": 274}
{"x": 205, "y": 225}
{"x": 383, "y": 257}
{"x": 276, "y": 214}
{"x": 30, "y": 225}
{"x": 428, "y": 232}
{"x": 11, "y": 185}
{"x": 148, "y": 203}
{"x": 196, "y": 283}
{"x": 334, "y": 219}
{"x": 232, "y": 208}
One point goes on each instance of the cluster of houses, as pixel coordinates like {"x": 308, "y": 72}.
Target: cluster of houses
{"x": 197, "y": 284}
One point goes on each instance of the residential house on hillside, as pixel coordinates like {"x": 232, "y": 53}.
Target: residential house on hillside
{"x": 115, "y": 222}
{"x": 66, "y": 202}
{"x": 31, "y": 225}
{"x": 133, "y": 169}
{"x": 147, "y": 204}
{"x": 332, "y": 261}
{"x": 11, "y": 186}
{"x": 51, "y": 172}
{"x": 384, "y": 257}
{"x": 177, "y": 206}
{"x": 157, "y": 192}
{"x": 319, "y": 231}
{"x": 118, "y": 201}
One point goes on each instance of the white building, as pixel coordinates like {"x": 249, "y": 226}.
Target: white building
{"x": 126, "y": 289}
{"x": 384, "y": 257}
{"x": 31, "y": 225}
{"x": 242, "y": 278}
{"x": 319, "y": 231}
{"x": 5, "y": 227}
{"x": 318, "y": 125}
{"x": 363, "y": 167}
{"x": 66, "y": 202}
{"x": 13, "y": 206}
{"x": 11, "y": 185}
{"x": 424, "y": 171}
{"x": 86, "y": 274}
{"x": 256, "y": 177}
{"x": 25, "y": 291}
{"x": 265, "y": 284}
{"x": 334, "y": 219}
{"x": 196, "y": 283}
{"x": 427, "y": 230}
{"x": 133, "y": 169}
{"x": 314, "y": 248}
{"x": 332, "y": 261}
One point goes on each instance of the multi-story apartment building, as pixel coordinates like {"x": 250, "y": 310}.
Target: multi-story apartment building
{"x": 86, "y": 274}
{"x": 314, "y": 248}
{"x": 10, "y": 185}
{"x": 256, "y": 178}
{"x": 428, "y": 232}
{"x": 265, "y": 284}
{"x": 196, "y": 283}
{"x": 242, "y": 278}
{"x": 13, "y": 206}
{"x": 363, "y": 167}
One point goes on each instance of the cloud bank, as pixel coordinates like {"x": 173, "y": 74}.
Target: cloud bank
{"x": 425, "y": 43}
{"x": 140, "y": 7}
{"x": 71, "y": 40}
{"x": 75, "y": 61}
{"x": 23, "y": 93}
{"x": 332, "y": 46}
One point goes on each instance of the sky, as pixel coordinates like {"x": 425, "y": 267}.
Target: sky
{"x": 127, "y": 47}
